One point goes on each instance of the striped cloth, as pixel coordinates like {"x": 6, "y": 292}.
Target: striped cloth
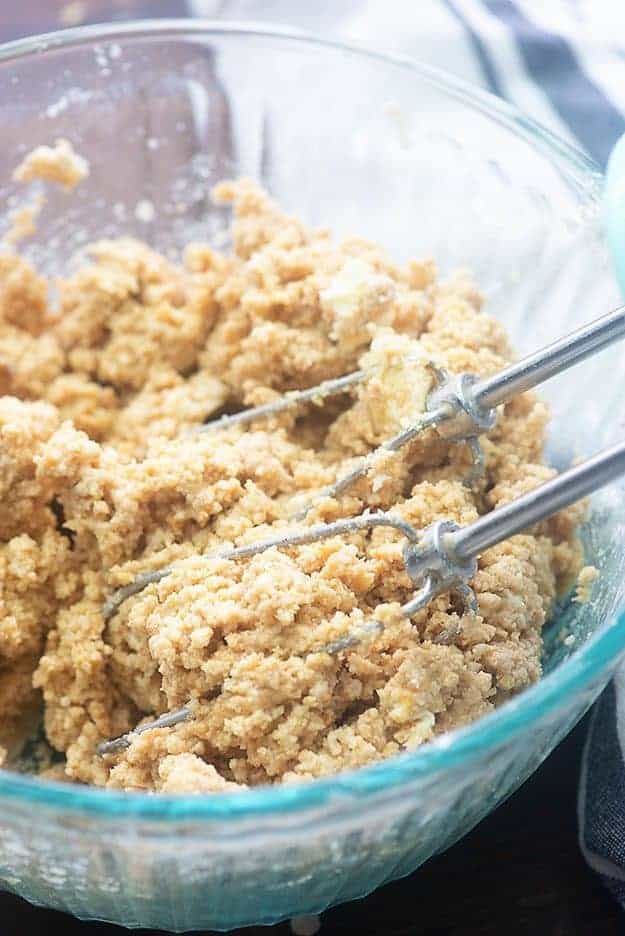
{"x": 560, "y": 61}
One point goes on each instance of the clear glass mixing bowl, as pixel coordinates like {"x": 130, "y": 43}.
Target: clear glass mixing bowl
{"x": 410, "y": 157}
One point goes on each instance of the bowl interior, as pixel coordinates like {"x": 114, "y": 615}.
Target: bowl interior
{"x": 366, "y": 147}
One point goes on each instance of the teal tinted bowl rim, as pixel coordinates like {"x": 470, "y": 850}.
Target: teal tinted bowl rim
{"x": 452, "y": 750}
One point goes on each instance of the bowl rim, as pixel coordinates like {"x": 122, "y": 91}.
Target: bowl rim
{"x": 479, "y": 99}
{"x": 450, "y": 750}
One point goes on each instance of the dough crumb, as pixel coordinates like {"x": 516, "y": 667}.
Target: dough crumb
{"x": 60, "y": 164}
{"x": 145, "y": 211}
{"x": 187, "y": 773}
{"x": 73, "y": 13}
{"x": 585, "y": 581}
{"x": 23, "y": 221}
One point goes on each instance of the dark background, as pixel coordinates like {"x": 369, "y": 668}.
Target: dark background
{"x": 520, "y": 873}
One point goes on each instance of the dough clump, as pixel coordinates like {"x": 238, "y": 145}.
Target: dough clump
{"x": 59, "y": 163}
{"x": 103, "y": 478}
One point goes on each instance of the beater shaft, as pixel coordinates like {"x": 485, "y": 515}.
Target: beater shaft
{"x": 462, "y": 406}
{"x": 542, "y": 502}
{"x": 484, "y": 395}
{"x": 552, "y": 360}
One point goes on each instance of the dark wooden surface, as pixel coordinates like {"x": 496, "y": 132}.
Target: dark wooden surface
{"x": 519, "y": 873}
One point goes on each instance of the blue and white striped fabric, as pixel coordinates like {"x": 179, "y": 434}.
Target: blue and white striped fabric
{"x": 560, "y": 61}
{"x": 563, "y": 63}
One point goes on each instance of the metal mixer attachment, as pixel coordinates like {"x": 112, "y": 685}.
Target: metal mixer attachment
{"x": 460, "y": 407}
{"x": 443, "y": 557}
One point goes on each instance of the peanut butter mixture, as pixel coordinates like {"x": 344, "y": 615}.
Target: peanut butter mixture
{"x": 59, "y": 163}
{"x": 103, "y": 477}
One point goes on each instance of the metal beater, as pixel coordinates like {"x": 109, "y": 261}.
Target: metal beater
{"x": 443, "y": 557}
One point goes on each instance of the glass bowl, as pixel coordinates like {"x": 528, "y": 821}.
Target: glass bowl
{"x": 415, "y": 159}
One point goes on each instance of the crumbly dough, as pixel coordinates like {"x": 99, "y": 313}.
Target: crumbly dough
{"x": 103, "y": 477}
{"x": 23, "y": 221}
{"x": 59, "y": 163}
{"x": 585, "y": 583}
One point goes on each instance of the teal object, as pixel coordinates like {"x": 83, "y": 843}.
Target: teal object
{"x": 447, "y": 170}
{"x": 614, "y": 209}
